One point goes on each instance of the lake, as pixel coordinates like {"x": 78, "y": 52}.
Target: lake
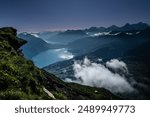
{"x": 51, "y": 56}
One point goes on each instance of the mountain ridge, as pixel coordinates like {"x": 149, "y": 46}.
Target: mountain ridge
{"x": 126, "y": 27}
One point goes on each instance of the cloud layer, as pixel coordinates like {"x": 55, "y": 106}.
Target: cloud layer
{"x": 115, "y": 64}
{"x": 98, "y": 75}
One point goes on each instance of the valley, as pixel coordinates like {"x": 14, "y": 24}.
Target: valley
{"x": 98, "y": 47}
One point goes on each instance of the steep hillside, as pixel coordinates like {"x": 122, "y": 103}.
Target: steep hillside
{"x": 20, "y": 79}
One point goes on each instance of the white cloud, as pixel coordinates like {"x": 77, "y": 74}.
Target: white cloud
{"x": 97, "y": 75}
{"x": 100, "y": 60}
{"x": 101, "y": 34}
{"x": 104, "y": 33}
{"x": 117, "y": 65}
{"x": 64, "y": 54}
{"x": 35, "y": 35}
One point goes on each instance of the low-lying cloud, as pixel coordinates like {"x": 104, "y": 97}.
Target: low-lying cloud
{"x": 117, "y": 65}
{"x": 94, "y": 74}
{"x": 64, "y": 54}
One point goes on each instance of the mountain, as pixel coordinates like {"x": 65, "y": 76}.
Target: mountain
{"x": 145, "y": 33}
{"x": 113, "y": 28}
{"x": 20, "y": 79}
{"x": 46, "y": 35}
{"x": 67, "y": 36}
{"x": 123, "y": 39}
{"x": 88, "y": 44}
{"x": 138, "y": 26}
{"x": 96, "y": 29}
{"x": 34, "y": 45}
{"x": 127, "y": 27}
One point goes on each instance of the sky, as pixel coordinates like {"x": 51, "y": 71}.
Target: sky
{"x": 42, "y": 15}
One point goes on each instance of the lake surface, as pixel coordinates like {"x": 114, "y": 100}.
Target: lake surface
{"x": 51, "y": 56}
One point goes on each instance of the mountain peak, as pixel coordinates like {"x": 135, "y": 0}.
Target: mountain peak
{"x": 127, "y": 24}
{"x": 113, "y": 27}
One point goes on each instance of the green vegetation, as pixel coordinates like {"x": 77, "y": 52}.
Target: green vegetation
{"x": 20, "y": 79}
{"x": 18, "y": 76}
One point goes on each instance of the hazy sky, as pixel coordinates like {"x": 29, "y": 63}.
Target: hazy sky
{"x": 38, "y": 15}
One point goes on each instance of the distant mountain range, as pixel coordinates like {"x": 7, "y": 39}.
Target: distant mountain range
{"x": 48, "y": 39}
{"x": 81, "y": 41}
{"x": 68, "y": 36}
{"x": 65, "y": 37}
{"x": 126, "y": 27}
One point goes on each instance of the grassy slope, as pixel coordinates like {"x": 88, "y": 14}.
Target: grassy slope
{"x": 20, "y": 79}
